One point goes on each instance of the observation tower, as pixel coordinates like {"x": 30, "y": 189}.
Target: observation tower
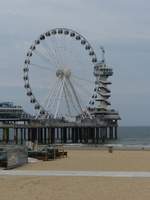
{"x": 101, "y": 105}
{"x": 102, "y": 72}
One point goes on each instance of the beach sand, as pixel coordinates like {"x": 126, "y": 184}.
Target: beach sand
{"x": 82, "y": 188}
{"x": 119, "y": 160}
{"x": 74, "y": 188}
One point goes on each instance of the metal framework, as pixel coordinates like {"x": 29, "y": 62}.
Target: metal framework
{"x": 54, "y": 52}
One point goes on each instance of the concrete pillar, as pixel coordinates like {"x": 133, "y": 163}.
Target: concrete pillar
{"x": 93, "y": 135}
{"x": 1, "y": 135}
{"x": 40, "y": 135}
{"x": 110, "y": 133}
{"x": 65, "y": 135}
{"x": 116, "y": 133}
{"x": 24, "y": 134}
{"x": 70, "y": 135}
{"x": 49, "y": 135}
{"x": 80, "y": 134}
{"x": 5, "y": 135}
{"x": 97, "y": 135}
{"x": 21, "y": 136}
{"x": 73, "y": 133}
{"x": 95, "y": 141}
{"x": 45, "y": 138}
{"x": 61, "y": 135}
{"x": 52, "y": 135}
{"x": 57, "y": 134}
{"x": 85, "y": 135}
{"x": 16, "y": 135}
{"x": 103, "y": 134}
{"x": 29, "y": 134}
{"x": 76, "y": 135}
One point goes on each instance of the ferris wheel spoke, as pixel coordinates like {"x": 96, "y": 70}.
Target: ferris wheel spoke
{"x": 43, "y": 56}
{"x": 51, "y": 93}
{"x": 81, "y": 87}
{"x": 52, "y": 97}
{"x": 80, "y": 92}
{"x": 55, "y": 50}
{"x": 51, "y": 53}
{"x": 67, "y": 57}
{"x": 42, "y": 67}
{"x": 55, "y": 98}
{"x": 82, "y": 79}
{"x": 66, "y": 52}
{"x": 86, "y": 112}
{"x": 69, "y": 52}
{"x": 59, "y": 51}
{"x": 63, "y": 51}
{"x": 52, "y": 100}
{"x": 70, "y": 97}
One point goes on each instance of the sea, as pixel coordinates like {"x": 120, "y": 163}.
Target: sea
{"x": 133, "y": 136}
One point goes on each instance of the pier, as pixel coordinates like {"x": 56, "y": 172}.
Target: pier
{"x": 57, "y": 132}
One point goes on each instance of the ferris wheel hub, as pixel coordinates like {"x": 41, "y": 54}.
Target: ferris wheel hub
{"x": 63, "y": 73}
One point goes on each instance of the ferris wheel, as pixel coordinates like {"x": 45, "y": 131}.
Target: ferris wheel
{"x": 58, "y": 73}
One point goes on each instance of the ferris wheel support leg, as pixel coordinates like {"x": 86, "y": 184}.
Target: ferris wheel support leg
{"x": 55, "y": 96}
{"x": 67, "y": 102}
{"x": 59, "y": 99}
{"x": 52, "y": 94}
{"x": 70, "y": 97}
{"x": 75, "y": 95}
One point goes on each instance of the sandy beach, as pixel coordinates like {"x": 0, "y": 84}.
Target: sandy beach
{"x": 73, "y": 188}
{"x": 82, "y": 188}
{"x": 98, "y": 160}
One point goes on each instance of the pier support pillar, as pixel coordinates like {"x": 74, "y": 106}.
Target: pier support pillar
{"x": 97, "y": 135}
{"x": 116, "y": 133}
{"x": 73, "y": 135}
{"x": 52, "y": 135}
{"x": 64, "y": 135}
{"x": 110, "y": 133}
{"x": 103, "y": 134}
{"x": 5, "y": 135}
{"x": 21, "y": 135}
{"x": 25, "y": 134}
{"x": 49, "y": 135}
{"x": 80, "y": 135}
{"x": 76, "y": 134}
{"x": 45, "y": 136}
{"x": 16, "y": 135}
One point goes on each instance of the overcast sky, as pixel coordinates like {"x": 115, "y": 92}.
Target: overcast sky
{"x": 121, "y": 26}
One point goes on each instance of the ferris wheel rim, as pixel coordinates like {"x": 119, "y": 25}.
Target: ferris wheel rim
{"x": 65, "y": 31}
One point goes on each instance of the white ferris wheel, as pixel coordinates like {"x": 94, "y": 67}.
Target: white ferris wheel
{"x": 58, "y": 74}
